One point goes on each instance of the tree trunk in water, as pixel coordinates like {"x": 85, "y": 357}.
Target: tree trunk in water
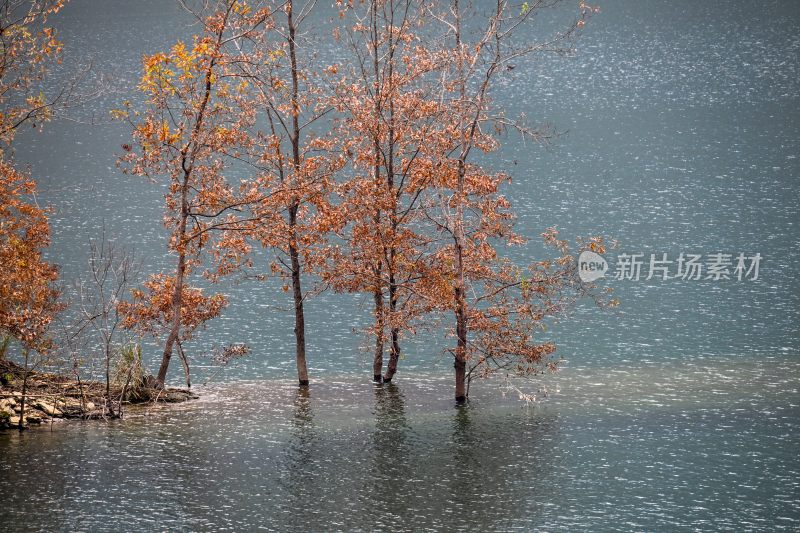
{"x": 460, "y": 363}
{"x": 377, "y": 361}
{"x": 394, "y": 356}
{"x": 394, "y": 352}
{"x": 299, "y": 318}
{"x": 459, "y": 292}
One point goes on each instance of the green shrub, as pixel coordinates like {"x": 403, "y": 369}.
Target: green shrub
{"x": 130, "y": 371}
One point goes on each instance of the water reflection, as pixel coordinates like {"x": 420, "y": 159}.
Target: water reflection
{"x": 353, "y": 456}
{"x": 299, "y": 470}
{"x": 303, "y": 416}
{"x": 392, "y": 474}
{"x": 493, "y": 476}
{"x": 390, "y": 439}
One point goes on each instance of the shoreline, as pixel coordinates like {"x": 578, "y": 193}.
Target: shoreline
{"x": 49, "y": 397}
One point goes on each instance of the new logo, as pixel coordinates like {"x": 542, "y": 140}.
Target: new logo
{"x": 591, "y": 266}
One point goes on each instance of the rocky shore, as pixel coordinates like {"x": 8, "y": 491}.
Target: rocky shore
{"x": 47, "y": 397}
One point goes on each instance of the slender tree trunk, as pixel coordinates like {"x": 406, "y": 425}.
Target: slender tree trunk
{"x": 177, "y": 297}
{"x": 299, "y": 314}
{"x": 394, "y": 352}
{"x": 108, "y": 380}
{"x": 294, "y": 255}
{"x": 394, "y": 356}
{"x": 460, "y": 363}
{"x": 380, "y": 313}
{"x": 299, "y": 320}
{"x": 20, "y": 423}
{"x": 459, "y": 292}
{"x": 377, "y": 361}
{"x": 187, "y": 163}
{"x": 185, "y": 361}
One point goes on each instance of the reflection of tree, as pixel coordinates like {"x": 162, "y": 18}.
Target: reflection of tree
{"x": 303, "y": 416}
{"x": 493, "y": 476}
{"x": 298, "y": 478}
{"x": 390, "y": 409}
{"x": 391, "y": 470}
{"x": 468, "y": 461}
{"x": 301, "y": 448}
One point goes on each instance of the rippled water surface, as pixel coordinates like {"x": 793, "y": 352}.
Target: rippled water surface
{"x": 695, "y": 446}
{"x": 679, "y": 412}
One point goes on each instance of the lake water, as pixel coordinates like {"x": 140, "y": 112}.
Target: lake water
{"x": 681, "y": 411}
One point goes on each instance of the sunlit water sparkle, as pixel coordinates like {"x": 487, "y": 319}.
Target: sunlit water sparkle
{"x": 679, "y": 412}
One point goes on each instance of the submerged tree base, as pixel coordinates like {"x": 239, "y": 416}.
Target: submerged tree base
{"x": 53, "y": 396}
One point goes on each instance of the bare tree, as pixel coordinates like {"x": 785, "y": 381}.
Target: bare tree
{"x": 112, "y": 271}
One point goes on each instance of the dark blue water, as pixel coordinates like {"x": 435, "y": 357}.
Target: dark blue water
{"x": 678, "y": 412}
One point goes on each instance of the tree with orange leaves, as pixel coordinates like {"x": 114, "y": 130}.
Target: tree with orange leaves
{"x": 27, "y": 47}
{"x": 28, "y": 296}
{"x": 497, "y": 306}
{"x": 152, "y": 311}
{"x": 424, "y": 220}
{"x": 195, "y": 126}
{"x": 295, "y": 160}
{"x": 389, "y": 117}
